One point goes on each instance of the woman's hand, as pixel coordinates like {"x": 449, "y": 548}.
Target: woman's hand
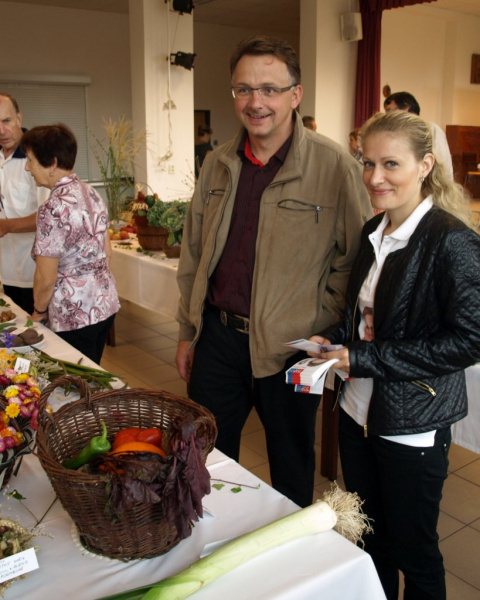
{"x": 342, "y": 355}
{"x": 39, "y": 317}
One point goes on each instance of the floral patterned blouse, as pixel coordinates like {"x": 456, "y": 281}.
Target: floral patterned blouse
{"x": 72, "y": 226}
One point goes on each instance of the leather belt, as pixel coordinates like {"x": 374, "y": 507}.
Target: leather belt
{"x": 228, "y": 319}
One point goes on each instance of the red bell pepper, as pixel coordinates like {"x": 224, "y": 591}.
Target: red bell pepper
{"x": 152, "y": 435}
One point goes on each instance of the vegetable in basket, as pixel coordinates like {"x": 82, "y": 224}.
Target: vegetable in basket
{"x": 137, "y": 447}
{"x": 338, "y": 510}
{"x": 96, "y": 446}
{"x": 152, "y": 435}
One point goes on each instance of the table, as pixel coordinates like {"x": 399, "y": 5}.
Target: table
{"x": 319, "y": 566}
{"x": 147, "y": 279}
{"x": 466, "y": 433}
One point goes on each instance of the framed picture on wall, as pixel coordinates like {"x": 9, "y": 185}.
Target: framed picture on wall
{"x": 475, "y": 75}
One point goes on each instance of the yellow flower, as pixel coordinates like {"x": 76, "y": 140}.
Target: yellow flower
{"x": 12, "y": 410}
{"x": 6, "y": 360}
{"x": 21, "y": 378}
{"x": 11, "y": 392}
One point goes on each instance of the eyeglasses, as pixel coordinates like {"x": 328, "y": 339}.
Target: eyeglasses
{"x": 240, "y": 92}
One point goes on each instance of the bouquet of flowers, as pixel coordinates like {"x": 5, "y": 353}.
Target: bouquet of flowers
{"x": 20, "y": 393}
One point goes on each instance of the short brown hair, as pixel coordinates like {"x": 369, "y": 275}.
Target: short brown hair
{"x": 260, "y": 45}
{"x": 50, "y": 142}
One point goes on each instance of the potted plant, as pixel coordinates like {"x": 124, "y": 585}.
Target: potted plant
{"x": 116, "y": 156}
{"x": 173, "y": 219}
{"x": 147, "y": 212}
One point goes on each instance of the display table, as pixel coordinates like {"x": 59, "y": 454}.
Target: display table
{"x": 466, "y": 433}
{"x": 149, "y": 280}
{"x": 318, "y": 566}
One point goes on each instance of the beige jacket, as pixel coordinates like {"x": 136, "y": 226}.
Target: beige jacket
{"x": 310, "y": 220}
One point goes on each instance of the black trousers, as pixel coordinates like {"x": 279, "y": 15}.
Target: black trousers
{"x": 222, "y": 381}
{"x": 21, "y": 296}
{"x": 89, "y": 340}
{"x": 402, "y": 488}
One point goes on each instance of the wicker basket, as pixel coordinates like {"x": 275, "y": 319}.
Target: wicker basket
{"x": 151, "y": 238}
{"x": 143, "y": 531}
{"x": 171, "y": 251}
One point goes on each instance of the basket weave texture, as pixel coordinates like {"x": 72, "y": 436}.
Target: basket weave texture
{"x": 143, "y": 531}
{"x": 151, "y": 238}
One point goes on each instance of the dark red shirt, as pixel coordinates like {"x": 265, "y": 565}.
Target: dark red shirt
{"x": 231, "y": 283}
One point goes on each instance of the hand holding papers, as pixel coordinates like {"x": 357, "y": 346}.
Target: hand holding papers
{"x": 309, "y": 346}
{"x": 308, "y": 375}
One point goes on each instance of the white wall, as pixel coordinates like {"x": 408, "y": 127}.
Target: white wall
{"x": 47, "y": 40}
{"x": 427, "y": 52}
{"x": 328, "y": 66}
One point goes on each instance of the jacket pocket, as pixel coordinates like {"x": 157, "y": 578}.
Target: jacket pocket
{"x": 301, "y": 206}
{"x": 425, "y": 387}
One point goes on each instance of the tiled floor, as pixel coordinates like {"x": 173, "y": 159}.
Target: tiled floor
{"x": 145, "y": 355}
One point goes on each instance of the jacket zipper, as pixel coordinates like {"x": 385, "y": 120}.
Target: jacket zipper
{"x": 424, "y": 386}
{"x": 341, "y": 383}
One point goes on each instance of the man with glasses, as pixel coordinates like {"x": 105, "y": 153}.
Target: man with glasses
{"x": 268, "y": 244}
{"x": 19, "y": 200}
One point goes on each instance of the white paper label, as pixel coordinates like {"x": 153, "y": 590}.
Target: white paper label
{"x": 22, "y": 365}
{"x": 18, "y": 564}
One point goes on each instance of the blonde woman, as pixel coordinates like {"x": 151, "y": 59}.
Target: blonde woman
{"x": 417, "y": 273}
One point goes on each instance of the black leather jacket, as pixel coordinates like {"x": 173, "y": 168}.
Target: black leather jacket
{"x": 426, "y": 323}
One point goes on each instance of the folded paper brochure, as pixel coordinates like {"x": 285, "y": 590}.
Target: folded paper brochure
{"x": 308, "y": 370}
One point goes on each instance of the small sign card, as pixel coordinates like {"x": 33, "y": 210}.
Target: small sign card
{"x": 22, "y": 365}
{"x": 18, "y": 564}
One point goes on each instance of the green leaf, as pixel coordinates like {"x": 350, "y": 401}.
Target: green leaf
{"x": 236, "y": 490}
{"x": 218, "y": 486}
{"x": 16, "y": 495}
{"x": 29, "y": 323}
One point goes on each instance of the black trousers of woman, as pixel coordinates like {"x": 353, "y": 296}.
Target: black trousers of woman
{"x": 89, "y": 340}
{"x": 401, "y": 487}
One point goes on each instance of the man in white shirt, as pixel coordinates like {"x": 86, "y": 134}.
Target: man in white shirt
{"x": 408, "y": 103}
{"x": 19, "y": 201}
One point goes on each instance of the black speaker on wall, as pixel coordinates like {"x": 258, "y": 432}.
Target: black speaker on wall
{"x": 183, "y": 6}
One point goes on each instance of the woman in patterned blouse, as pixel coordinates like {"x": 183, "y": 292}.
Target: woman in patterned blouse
{"x": 74, "y": 291}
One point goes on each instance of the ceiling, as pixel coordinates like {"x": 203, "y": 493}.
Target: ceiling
{"x": 274, "y": 15}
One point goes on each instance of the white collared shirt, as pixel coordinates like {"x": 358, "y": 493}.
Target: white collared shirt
{"x": 358, "y": 391}
{"x": 19, "y": 197}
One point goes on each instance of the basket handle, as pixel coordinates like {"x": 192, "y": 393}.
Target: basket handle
{"x": 62, "y": 381}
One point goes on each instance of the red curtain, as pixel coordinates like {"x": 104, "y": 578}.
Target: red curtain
{"x": 367, "y": 87}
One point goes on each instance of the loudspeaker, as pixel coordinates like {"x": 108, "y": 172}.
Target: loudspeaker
{"x": 351, "y": 27}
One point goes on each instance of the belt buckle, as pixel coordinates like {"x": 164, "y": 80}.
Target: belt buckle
{"x": 223, "y": 318}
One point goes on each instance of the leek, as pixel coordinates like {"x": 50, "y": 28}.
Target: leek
{"x": 340, "y": 510}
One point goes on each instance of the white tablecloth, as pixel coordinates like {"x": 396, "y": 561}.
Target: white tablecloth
{"x": 149, "y": 281}
{"x": 466, "y": 433}
{"x": 318, "y": 566}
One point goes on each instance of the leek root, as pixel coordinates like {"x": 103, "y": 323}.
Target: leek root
{"x": 338, "y": 509}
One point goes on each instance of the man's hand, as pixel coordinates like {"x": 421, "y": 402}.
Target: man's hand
{"x": 342, "y": 355}
{"x": 184, "y": 359}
